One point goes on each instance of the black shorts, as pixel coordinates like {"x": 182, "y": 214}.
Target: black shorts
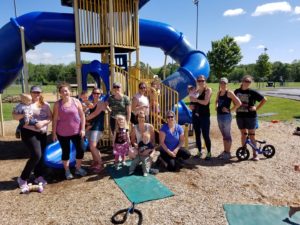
{"x": 246, "y": 123}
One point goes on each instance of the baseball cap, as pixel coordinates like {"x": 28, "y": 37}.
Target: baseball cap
{"x": 35, "y": 89}
{"x": 224, "y": 79}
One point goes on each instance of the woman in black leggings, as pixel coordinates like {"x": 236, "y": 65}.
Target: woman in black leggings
{"x": 35, "y": 138}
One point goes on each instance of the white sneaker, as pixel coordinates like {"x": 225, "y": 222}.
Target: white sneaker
{"x": 23, "y": 185}
{"x": 145, "y": 174}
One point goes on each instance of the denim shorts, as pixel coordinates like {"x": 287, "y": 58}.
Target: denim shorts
{"x": 224, "y": 122}
{"x": 94, "y": 135}
{"x": 246, "y": 123}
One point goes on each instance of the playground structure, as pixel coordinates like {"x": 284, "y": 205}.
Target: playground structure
{"x": 113, "y": 29}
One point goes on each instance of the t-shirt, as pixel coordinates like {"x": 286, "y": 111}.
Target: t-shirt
{"x": 248, "y": 98}
{"x": 118, "y": 106}
{"x": 172, "y": 139}
{"x": 142, "y": 147}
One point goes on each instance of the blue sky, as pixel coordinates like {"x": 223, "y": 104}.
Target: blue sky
{"x": 254, "y": 24}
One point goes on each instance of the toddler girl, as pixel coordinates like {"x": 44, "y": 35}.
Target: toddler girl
{"x": 121, "y": 140}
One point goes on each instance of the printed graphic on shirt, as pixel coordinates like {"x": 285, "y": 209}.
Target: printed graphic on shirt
{"x": 245, "y": 102}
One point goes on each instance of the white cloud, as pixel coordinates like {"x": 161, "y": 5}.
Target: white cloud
{"x": 260, "y": 47}
{"x": 41, "y": 57}
{"x": 243, "y": 39}
{"x": 297, "y": 10}
{"x": 271, "y": 8}
{"x": 234, "y": 12}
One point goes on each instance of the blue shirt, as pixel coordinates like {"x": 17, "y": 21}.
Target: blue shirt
{"x": 172, "y": 139}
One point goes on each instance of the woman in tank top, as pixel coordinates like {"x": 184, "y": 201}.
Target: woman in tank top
{"x": 69, "y": 125}
{"x": 201, "y": 116}
{"x": 224, "y": 117}
{"x": 140, "y": 102}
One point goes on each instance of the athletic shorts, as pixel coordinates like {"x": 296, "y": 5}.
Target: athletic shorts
{"x": 94, "y": 135}
{"x": 246, "y": 123}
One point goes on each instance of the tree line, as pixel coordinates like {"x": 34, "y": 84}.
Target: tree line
{"x": 224, "y": 58}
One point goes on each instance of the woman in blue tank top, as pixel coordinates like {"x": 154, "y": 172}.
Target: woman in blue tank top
{"x": 224, "y": 117}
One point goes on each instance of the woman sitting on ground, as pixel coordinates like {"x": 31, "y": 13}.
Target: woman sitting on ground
{"x": 171, "y": 139}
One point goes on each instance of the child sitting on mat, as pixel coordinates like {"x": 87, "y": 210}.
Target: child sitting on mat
{"x": 145, "y": 148}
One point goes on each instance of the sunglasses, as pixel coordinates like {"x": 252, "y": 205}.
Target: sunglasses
{"x": 247, "y": 81}
{"x": 36, "y": 92}
{"x": 169, "y": 117}
{"x": 143, "y": 87}
{"x": 96, "y": 93}
{"x": 200, "y": 81}
{"x": 116, "y": 87}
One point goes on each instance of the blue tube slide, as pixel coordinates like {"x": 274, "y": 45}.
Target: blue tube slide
{"x": 59, "y": 27}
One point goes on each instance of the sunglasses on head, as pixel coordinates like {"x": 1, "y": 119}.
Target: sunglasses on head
{"x": 200, "y": 81}
{"x": 116, "y": 87}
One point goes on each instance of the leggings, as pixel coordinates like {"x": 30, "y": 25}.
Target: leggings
{"x": 65, "y": 146}
{"x": 202, "y": 124}
{"x": 171, "y": 162}
{"x": 36, "y": 143}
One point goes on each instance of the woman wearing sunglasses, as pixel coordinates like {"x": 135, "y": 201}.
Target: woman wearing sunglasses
{"x": 171, "y": 139}
{"x": 201, "y": 116}
{"x": 223, "y": 107}
{"x": 246, "y": 116}
{"x": 119, "y": 104}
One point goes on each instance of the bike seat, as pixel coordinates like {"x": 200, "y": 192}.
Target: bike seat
{"x": 261, "y": 142}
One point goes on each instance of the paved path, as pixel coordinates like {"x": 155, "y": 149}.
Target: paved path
{"x": 290, "y": 93}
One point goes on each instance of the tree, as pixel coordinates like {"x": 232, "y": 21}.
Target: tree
{"x": 263, "y": 68}
{"x": 279, "y": 71}
{"x": 224, "y": 56}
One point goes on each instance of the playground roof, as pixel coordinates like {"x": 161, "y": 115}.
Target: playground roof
{"x": 70, "y": 3}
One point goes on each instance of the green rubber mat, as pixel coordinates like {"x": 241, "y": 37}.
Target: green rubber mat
{"x": 259, "y": 215}
{"x": 138, "y": 188}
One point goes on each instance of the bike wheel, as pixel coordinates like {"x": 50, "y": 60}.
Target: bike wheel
{"x": 268, "y": 151}
{"x": 242, "y": 153}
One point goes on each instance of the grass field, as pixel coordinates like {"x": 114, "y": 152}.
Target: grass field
{"x": 284, "y": 109}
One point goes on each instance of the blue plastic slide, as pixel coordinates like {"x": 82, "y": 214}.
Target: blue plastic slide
{"x": 53, "y": 153}
{"x": 59, "y": 27}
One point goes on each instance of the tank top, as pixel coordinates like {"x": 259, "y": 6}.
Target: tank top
{"x": 138, "y": 133}
{"x": 202, "y": 110}
{"x": 121, "y": 136}
{"x": 142, "y": 101}
{"x": 68, "y": 123}
{"x": 223, "y": 101}
{"x": 98, "y": 121}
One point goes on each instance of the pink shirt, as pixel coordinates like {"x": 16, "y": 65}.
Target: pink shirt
{"x": 68, "y": 123}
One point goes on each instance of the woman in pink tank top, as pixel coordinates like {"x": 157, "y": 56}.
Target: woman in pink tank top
{"x": 68, "y": 125}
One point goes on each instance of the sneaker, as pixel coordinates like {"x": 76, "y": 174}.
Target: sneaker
{"x": 208, "y": 156}
{"x": 145, "y": 174}
{"x": 124, "y": 163}
{"x": 68, "y": 175}
{"x": 227, "y": 156}
{"x": 80, "y": 172}
{"x": 153, "y": 171}
{"x": 98, "y": 168}
{"x": 116, "y": 166}
{"x": 40, "y": 179}
{"x": 221, "y": 156}
{"x": 198, "y": 155}
{"x": 22, "y": 183}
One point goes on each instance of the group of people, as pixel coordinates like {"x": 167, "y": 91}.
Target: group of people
{"x": 72, "y": 119}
